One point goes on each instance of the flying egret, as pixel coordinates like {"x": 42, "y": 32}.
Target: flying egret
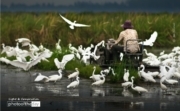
{"x": 151, "y": 40}
{"x": 137, "y": 88}
{"x": 73, "y": 24}
{"x": 74, "y": 83}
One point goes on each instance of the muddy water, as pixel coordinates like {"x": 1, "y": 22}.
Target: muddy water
{"x": 16, "y": 83}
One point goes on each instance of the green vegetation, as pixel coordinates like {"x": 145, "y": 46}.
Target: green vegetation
{"x": 119, "y": 70}
{"x": 47, "y": 28}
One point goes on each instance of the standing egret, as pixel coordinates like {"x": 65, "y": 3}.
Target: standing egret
{"x": 137, "y": 88}
{"x": 96, "y": 77}
{"x": 41, "y": 77}
{"x": 55, "y": 77}
{"x": 74, "y": 74}
{"x": 74, "y": 83}
{"x": 126, "y": 75}
{"x": 58, "y": 47}
{"x": 106, "y": 71}
{"x": 125, "y": 85}
{"x": 99, "y": 82}
{"x": 163, "y": 87}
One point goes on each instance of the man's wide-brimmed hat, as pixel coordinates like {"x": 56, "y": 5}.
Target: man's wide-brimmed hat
{"x": 127, "y": 24}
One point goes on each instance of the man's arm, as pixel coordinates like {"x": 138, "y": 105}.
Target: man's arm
{"x": 119, "y": 38}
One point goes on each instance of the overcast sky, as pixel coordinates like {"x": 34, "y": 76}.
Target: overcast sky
{"x": 56, "y": 2}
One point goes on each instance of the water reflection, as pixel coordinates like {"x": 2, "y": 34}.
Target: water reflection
{"x": 98, "y": 91}
{"x": 127, "y": 93}
{"x": 73, "y": 92}
{"x": 137, "y": 105}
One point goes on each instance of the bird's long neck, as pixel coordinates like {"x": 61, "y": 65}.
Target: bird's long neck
{"x": 77, "y": 79}
{"x": 3, "y": 45}
{"x": 132, "y": 83}
{"x": 103, "y": 78}
{"x": 145, "y": 51}
{"x": 94, "y": 71}
{"x": 60, "y": 74}
{"x": 142, "y": 68}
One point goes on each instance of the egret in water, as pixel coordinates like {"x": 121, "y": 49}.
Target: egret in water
{"x": 96, "y": 77}
{"x": 99, "y": 82}
{"x": 74, "y": 83}
{"x": 73, "y": 24}
{"x": 41, "y": 77}
{"x": 137, "y": 88}
{"x": 74, "y": 74}
{"x": 55, "y": 77}
{"x": 106, "y": 71}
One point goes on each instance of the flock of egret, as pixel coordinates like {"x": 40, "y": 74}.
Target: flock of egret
{"x": 169, "y": 64}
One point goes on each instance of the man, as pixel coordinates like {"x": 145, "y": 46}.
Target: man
{"x": 131, "y": 46}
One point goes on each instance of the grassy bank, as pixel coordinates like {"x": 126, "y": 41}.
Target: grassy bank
{"x": 47, "y": 28}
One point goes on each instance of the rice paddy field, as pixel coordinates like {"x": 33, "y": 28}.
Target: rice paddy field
{"x": 47, "y": 28}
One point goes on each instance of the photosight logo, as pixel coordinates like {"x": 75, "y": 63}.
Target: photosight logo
{"x": 23, "y": 104}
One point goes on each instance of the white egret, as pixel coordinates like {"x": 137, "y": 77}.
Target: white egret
{"x": 146, "y": 76}
{"x": 151, "y": 40}
{"x": 72, "y": 49}
{"x": 23, "y": 41}
{"x": 96, "y": 77}
{"x": 73, "y": 24}
{"x": 41, "y": 47}
{"x": 64, "y": 61}
{"x": 121, "y": 56}
{"x": 74, "y": 83}
{"x": 154, "y": 74}
{"x": 6, "y": 48}
{"x": 41, "y": 77}
{"x": 106, "y": 71}
{"x": 27, "y": 65}
{"x": 126, "y": 75}
{"x": 58, "y": 47}
{"x": 113, "y": 71}
{"x": 163, "y": 87}
{"x": 99, "y": 82}
{"x": 74, "y": 74}
{"x": 151, "y": 55}
{"x": 55, "y": 77}
{"x": 127, "y": 84}
{"x": 137, "y": 88}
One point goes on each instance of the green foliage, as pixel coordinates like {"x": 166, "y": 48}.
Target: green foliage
{"x": 47, "y": 28}
{"x": 119, "y": 70}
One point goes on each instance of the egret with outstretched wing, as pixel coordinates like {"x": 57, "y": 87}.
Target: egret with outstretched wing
{"x": 151, "y": 40}
{"x": 73, "y": 24}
